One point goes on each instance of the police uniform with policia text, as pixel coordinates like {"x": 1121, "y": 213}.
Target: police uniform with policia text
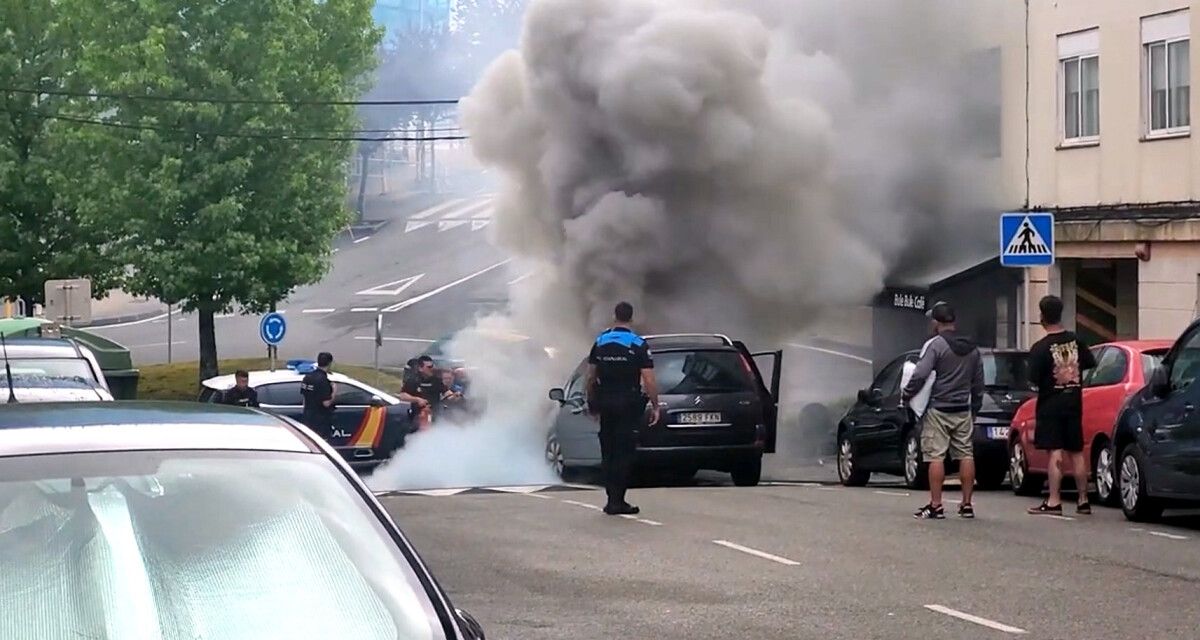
{"x": 619, "y": 356}
{"x": 316, "y": 389}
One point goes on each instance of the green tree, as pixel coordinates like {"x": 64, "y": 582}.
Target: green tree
{"x": 224, "y": 203}
{"x": 42, "y": 236}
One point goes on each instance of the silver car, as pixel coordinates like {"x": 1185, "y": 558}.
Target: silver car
{"x": 186, "y": 520}
{"x": 51, "y": 370}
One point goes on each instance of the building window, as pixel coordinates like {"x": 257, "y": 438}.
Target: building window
{"x": 1079, "y": 86}
{"x": 1167, "y": 73}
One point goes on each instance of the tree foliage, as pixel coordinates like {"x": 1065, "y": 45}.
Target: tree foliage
{"x": 218, "y": 202}
{"x": 42, "y": 236}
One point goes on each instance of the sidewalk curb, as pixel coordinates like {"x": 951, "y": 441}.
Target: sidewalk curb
{"x": 132, "y": 317}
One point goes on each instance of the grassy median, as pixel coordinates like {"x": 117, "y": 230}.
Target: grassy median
{"x": 177, "y": 381}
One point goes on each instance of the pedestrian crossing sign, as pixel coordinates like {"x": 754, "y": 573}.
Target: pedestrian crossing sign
{"x": 1027, "y": 239}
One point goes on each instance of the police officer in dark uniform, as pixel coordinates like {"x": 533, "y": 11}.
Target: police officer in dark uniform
{"x": 620, "y": 382}
{"x": 424, "y": 388}
{"x": 242, "y": 394}
{"x": 318, "y": 397}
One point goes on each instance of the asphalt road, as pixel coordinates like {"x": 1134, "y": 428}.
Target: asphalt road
{"x": 427, "y": 268}
{"x": 787, "y": 562}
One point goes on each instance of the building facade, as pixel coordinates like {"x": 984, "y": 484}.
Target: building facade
{"x": 1097, "y": 122}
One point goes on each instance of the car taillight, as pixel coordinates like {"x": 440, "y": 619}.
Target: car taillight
{"x": 746, "y": 365}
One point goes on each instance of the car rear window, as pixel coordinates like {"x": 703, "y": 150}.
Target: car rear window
{"x": 49, "y": 373}
{"x": 1005, "y": 371}
{"x": 1151, "y": 360}
{"x": 695, "y": 372}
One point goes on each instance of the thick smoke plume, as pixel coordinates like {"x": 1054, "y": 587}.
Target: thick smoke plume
{"x": 726, "y": 165}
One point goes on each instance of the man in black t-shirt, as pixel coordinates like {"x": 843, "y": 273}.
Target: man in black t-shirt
{"x": 318, "y": 394}
{"x": 425, "y": 389}
{"x": 1056, "y": 366}
{"x": 619, "y": 383}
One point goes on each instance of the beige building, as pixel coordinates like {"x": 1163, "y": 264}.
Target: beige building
{"x": 1097, "y": 116}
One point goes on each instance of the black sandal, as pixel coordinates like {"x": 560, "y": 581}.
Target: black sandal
{"x": 1084, "y": 508}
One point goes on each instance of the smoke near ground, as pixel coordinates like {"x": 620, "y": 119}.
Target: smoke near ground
{"x": 741, "y": 166}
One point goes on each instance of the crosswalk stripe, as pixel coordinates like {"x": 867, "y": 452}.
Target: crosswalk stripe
{"x": 437, "y": 209}
{"x": 462, "y": 213}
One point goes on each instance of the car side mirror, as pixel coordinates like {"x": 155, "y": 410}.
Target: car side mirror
{"x": 376, "y": 401}
{"x": 470, "y": 626}
{"x": 1160, "y": 382}
{"x": 558, "y": 395}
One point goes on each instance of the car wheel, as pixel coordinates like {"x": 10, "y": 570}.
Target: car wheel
{"x": 848, "y": 471}
{"x": 916, "y": 474}
{"x": 1023, "y": 482}
{"x": 747, "y": 473}
{"x": 1106, "y": 492}
{"x": 554, "y": 456}
{"x": 1131, "y": 484}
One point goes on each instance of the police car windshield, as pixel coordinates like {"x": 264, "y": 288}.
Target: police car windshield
{"x": 52, "y": 373}
{"x": 199, "y": 544}
{"x": 695, "y": 372}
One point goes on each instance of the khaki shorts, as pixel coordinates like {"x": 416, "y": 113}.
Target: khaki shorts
{"x": 947, "y": 432}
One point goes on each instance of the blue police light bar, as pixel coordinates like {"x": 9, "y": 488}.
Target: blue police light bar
{"x": 302, "y": 366}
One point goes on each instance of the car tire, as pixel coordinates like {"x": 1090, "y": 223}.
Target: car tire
{"x": 1136, "y": 503}
{"x": 1023, "y": 482}
{"x": 990, "y": 477}
{"x": 554, "y": 457}
{"x": 747, "y": 473}
{"x": 1106, "y": 479}
{"x": 848, "y": 472}
{"x": 916, "y": 472}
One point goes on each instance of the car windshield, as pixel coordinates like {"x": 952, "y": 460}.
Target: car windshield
{"x": 49, "y": 373}
{"x": 693, "y": 372}
{"x": 175, "y": 545}
{"x": 1006, "y": 371}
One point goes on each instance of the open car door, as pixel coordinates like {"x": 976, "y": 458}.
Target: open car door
{"x": 769, "y": 362}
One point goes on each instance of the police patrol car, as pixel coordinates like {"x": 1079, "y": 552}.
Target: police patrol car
{"x": 368, "y": 424}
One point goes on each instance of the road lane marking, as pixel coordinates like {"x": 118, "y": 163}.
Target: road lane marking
{"x": 446, "y": 225}
{"x": 362, "y": 239}
{"x": 363, "y": 309}
{"x": 157, "y": 344}
{"x": 318, "y": 311}
{"x": 156, "y": 319}
{"x": 390, "y": 339}
{"x": 829, "y": 489}
{"x": 991, "y": 624}
{"x": 903, "y": 494}
{"x": 1162, "y": 534}
{"x": 831, "y": 352}
{"x": 393, "y": 288}
{"x": 653, "y": 523}
{"x": 522, "y": 278}
{"x": 584, "y": 505}
{"x": 429, "y": 294}
{"x": 755, "y": 552}
{"x": 1056, "y": 517}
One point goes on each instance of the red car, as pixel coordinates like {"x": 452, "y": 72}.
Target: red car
{"x": 1122, "y": 368}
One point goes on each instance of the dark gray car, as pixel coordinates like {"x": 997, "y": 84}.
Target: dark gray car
{"x": 718, "y": 411}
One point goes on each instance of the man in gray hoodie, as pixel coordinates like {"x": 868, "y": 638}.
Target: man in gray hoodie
{"x": 956, "y": 396}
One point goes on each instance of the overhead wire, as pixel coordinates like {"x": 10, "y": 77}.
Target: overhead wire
{"x": 307, "y": 136}
{"x": 216, "y": 100}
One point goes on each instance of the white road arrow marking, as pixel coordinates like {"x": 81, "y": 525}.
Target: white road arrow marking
{"x": 431, "y": 211}
{"x": 450, "y": 224}
{"x": 394, "y": 288}
{"x": 429, "y": 294}
{"x": 476, "y": 225}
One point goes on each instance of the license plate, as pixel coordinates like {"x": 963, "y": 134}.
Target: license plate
{"x": 997, "y": 433}
{"x": 700, "y": 418}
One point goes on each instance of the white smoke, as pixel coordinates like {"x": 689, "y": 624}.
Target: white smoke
{"x": 725, "y": 165}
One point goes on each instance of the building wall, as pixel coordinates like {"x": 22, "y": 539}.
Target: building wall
{"x": 1122, "y": 167}
{"x": 1167, "y": 289}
